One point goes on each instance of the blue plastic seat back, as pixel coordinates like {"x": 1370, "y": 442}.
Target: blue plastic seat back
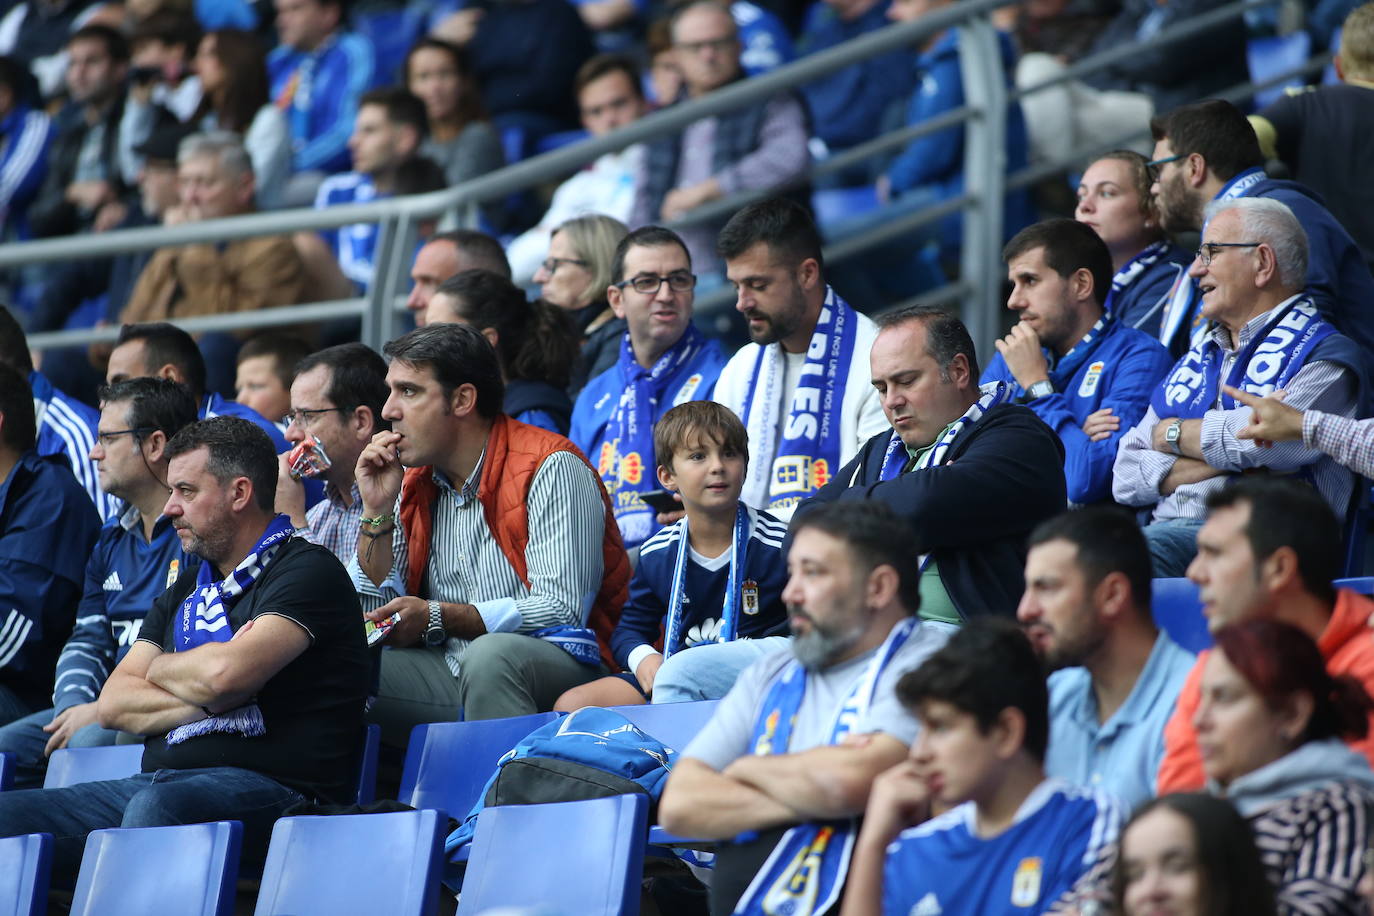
{"x": 69, "y": 766}
{"x": 354, "y": 863}
{"x": 581, "y": 856}
{"x": 1362, "y": 584}
{"x": 448, "y": 763}
{"x": 188, "y": 868}
{"x": 367, "y": 765}
{"x": 673, "y": 724}
{"x": 1177, "y": 609}
{"x": 1270, "y": 56}
{"x": 25, "y": 866}
{"x": 6, "y": 771}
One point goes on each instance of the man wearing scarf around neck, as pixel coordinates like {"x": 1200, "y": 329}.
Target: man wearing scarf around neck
{"x": 664, "y": 361}
{"x": 249, "y": 674}
{"x": 1084, "y": 373}
{"x": 969, "y": 472}
{"x": 785, "y": 765}
{"x": 1264, "y": 333}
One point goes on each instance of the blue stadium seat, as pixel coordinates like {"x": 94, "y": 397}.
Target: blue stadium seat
{"x": 355, "y": 863}
{"x": 673, "y": 724}
{"x": 367, "y": 766}
{"x": 391, "y": 32}
{"x": 188, "y": 868}
{"x": 1178, "y": 611}
{"x": 836, "y": 206}
{"x": 25, "y": 864}
{"x": 1272, "y": 55}
{"x": 1362, "y": 584}
{"x": 448, "y": 763}
{"x": 6, "y": 771}
{"x": 527, "y": 856}
{"x": 71, "y": 765}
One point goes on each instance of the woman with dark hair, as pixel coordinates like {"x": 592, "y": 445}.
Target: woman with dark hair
{"x": 1270, "y": 729}
{"x": 535, "y": 343}
{"x": 233, "y": 79}
{"x": 1114, "y": 199}
{"x": 1190, "y": 855}
{"x": 461, "y": 139}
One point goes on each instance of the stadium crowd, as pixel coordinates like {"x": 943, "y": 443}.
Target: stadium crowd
{"x": 919, "y": 579}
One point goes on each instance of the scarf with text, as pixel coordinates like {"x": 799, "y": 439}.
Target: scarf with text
{"x": 729, "y": 616}
{"x": 806, "y": 870}
{"x": 896, "y": 458}
{"x": 809, "y": 451}
{"x": 204, "y": 618}
{"x": 1132, "y": 269}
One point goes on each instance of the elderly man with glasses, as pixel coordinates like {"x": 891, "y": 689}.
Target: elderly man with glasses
{"x": 663, "y": 362}
{"x": 1264, "y": 333}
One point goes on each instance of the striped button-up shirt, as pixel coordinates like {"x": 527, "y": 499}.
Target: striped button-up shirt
{"x": 1349, "y": 441}
{"x": 333, "y": 525}
{"x": 566, "y": 527}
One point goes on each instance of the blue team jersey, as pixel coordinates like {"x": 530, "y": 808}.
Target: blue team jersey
{"x": 354, "y": 246}
{"x": 646, "y": 611}
{"x": 1121, "y": 370}
{"x": 319, "y": 92}
{"x": 66, "y": 428}
{"x": 1061, "y": 841}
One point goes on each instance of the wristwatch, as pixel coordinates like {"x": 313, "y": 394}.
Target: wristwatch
{"x": 1172, "y": 433}
{"x": 1040, "y": 389}
{"x": 434, "y": 633}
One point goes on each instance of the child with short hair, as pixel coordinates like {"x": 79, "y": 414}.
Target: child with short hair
{"x": 1009, "y": 841}
{"x": 714, "y": 576}
{"x": 266, "y": 369}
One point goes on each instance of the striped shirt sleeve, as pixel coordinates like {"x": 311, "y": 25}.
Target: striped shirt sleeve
{"x": 567, "y": 524}
{"x": 1312, "y": 847}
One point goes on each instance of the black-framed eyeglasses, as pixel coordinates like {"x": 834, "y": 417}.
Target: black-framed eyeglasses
{"x": 1153, "y": 167}
{"x": 552, "y": 264}
{"x": 648, "y": 284}
{"x": 302, "y": 415}
{"x": 106, "y": 439}
{"x": 1210, "y": 250}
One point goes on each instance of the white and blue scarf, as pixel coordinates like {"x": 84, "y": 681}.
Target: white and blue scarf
{"x": 630, "y": 431}
{"x": 1144, "y": 259}
{"x": 204, "y": 618}
{"x": 729, "y": 615}
{"x": 809, "y": 451}
{"x": 806, "y": 870}
{"x": 1268, "y": 362}
{"x": 896, "y": 457}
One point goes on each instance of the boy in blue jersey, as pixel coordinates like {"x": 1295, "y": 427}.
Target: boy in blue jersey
{"x": 1009, "y": 841}
{"x": 714, "y": 576}
{"x": 136, "y": 557}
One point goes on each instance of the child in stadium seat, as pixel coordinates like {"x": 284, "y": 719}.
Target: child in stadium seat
{"x": 714, "y": 576}
{"x": 1008, "y": 840}
{"x": 266, "y": 369}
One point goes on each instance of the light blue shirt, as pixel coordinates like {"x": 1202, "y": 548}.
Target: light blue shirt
{"x": 1121, "y": 755}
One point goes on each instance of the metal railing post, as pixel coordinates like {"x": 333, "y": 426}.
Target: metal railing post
{"x": 377, "y": 316}
{"x": 985, "y": 166}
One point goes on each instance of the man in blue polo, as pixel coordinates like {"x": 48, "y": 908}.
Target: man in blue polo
{"x": 664, "y": 361}
{"x": 1085, "y": 374}
{"x": 47, "y": 528}
{"x": 137, "y": 556}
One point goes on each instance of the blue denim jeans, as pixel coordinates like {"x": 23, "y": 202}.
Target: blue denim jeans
{"x": 708, "y": 672}
{"x": 147, "y": 800}
{"x": 25, "y": 740}
{"x": 1173, "y": 544}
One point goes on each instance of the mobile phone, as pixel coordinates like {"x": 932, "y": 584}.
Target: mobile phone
{"x": 662, "y": 501}
{"x": 376, "y": 632}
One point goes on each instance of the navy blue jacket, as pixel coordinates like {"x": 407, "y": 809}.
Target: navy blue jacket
{"x": 1141, "y": 305}
{"x": 1004, "y": 475}
{"x": 848, "y": 106}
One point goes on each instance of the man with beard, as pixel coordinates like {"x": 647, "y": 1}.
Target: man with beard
{"x": 1115, "y": 676}
{"x": 802, "y": 386}
{"x": 786, "y": 763}
{"x": 1206, "y": 152}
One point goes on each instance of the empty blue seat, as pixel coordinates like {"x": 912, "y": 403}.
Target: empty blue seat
{"x": 6, "y": 771}
{"x": 188, "y": 868}
{"x": 448, "y": 763}
{"x": 356, "y": 863}
{"x": 1177, "y": 610}
{"x": 71, "y": 765}
{"x": 837, "y": 206}
{"x": 1362, "y": 584}
{"x": 673, "y": 724}
{"x": 367, "y": 765}
{"x": 25, "y": 865}
{"x": 1273, "y": 55}
{"x": 581, "y": 856}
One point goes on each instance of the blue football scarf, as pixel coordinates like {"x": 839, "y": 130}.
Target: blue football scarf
{"x": 204, "y": 618}
{"x": 1132, "y": 269}
{"x": 579, "y": 642}
{"x": 627, "y": 461}
{"x": 809, "y": 451}
{"x": 729, "y": 615}
{"x": 896, "y": 457}
{"x": 1268, "y": 362}
{"x": 1063, "y": 369}
{"x": 806, "y": 870}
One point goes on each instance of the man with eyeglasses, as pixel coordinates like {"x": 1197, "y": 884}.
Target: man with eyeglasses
{"x": 136, "y": 558}
{"x": 1264, "y": 333}
{"x": 1208, "y": 151}
{"x": 760, "y": 146}
{"x": 664, "y": 361}
{"x": 47, "y": 528}
{"x": 336, "y": 403}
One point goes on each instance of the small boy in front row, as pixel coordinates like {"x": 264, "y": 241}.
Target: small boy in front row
{"x": 714, "y": 576}
{"x": 1009, "y": 841}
